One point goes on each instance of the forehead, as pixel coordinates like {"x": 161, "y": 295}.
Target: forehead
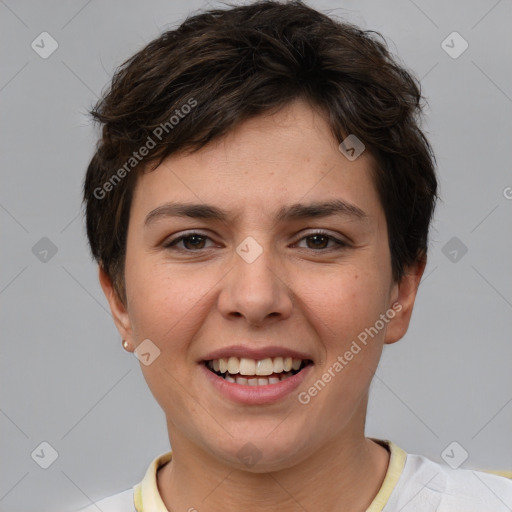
{"x": 265, "y": 163}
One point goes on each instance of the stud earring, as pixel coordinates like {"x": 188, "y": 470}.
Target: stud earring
{"x": 125, "y": 344}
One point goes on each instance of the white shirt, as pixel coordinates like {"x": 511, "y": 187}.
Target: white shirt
{"x": 413, "y": 483}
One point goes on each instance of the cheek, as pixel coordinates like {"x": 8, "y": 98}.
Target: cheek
{"x": 161, "y": 300}
{"x": 165, "y": 309}
{"x": 344, "y": 302}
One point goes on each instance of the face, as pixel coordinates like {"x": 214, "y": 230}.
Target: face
{"x": 253, "y": 275}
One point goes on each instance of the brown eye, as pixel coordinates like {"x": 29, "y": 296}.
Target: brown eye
{"x": 191, "y": 242}
{"x": 320, "y": 241}
{"x": 195, "y": 241}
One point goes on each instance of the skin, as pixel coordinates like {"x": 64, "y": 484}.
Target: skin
{"x": 310, "y": 297}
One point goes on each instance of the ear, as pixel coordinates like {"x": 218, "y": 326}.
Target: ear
{"x": 403, "y": 296}
{"x": 119, "y": 312}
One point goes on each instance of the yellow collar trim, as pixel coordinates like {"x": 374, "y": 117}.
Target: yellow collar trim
{"x": 395, "y": 467}
{"x": 146, "y": 496}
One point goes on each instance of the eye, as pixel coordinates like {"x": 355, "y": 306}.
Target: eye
{"x": 319, "y": 239}
{"x": 195, "y": 241}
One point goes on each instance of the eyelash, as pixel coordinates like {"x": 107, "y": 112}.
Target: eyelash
{"x": 340, "y": 244}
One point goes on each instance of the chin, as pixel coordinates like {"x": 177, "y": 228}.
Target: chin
{"x": 260, "y": 454}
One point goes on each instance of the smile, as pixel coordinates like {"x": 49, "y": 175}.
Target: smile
{"x": 256, "y": 372}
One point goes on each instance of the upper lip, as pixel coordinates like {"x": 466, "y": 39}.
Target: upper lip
{"x": 254, "y": 353}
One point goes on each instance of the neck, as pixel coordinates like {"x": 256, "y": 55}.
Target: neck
{"x": 344, "y": 475}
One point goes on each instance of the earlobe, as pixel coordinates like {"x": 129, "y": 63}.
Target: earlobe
{"x": 403, "y": 298}
{"x": 118, "y": 309}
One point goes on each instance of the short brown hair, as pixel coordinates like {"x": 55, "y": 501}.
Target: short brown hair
{"x": 237, "y": 63}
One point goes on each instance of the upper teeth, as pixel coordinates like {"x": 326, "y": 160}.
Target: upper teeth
{"x": 245, "y": 366}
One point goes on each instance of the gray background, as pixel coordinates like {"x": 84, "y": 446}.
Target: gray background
{"x": 66, "y": 379}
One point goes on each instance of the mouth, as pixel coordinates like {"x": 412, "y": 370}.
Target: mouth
{"x": 256, "y": 372}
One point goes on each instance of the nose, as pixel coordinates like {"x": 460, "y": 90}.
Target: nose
{"x": 257, "y": 290}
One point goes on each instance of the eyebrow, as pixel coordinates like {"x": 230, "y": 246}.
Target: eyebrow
{"x": 297, "y": 211}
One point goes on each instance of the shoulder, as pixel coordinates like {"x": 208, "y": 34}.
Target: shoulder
{"x": 426, "y": 485}
{"x": 121, "y": 502}
{"x": 478, "y": 489}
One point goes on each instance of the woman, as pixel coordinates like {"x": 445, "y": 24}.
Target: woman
{"x": 259, "y": 206}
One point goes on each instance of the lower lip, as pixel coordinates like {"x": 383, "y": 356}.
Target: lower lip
{"x": 256, "y": 395}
